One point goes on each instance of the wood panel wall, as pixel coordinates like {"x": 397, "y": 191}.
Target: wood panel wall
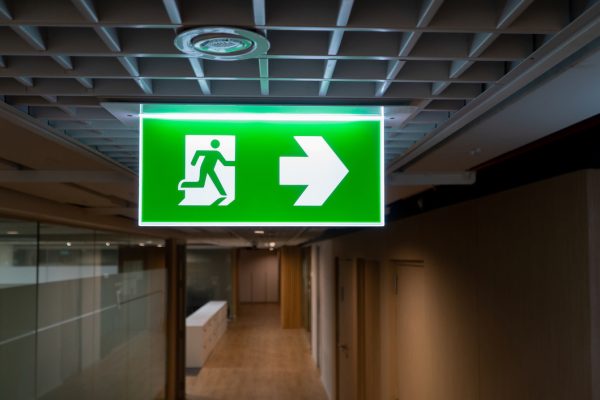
{"x": 291, "y": 287}
{"x": 258, "y": 275}
{"x": 506, "y": 303}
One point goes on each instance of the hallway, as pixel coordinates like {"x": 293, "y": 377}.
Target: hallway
{"x": 256, "y": 359}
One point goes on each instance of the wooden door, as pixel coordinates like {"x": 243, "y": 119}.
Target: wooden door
{"x": 413, "y": 361}
{"x": 346, "y": 317}
{"x": 369, "y": 330}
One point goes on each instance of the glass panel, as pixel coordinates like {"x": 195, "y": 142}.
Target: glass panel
{"x": 67, "y": 304}
{"x": 82, "y": 314}
{"x": 208, "y": 277}
{"x": 18, "y": 260}
{"x": 101, "y": 315}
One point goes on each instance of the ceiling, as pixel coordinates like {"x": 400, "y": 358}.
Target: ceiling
{"x": 446, "y": 72}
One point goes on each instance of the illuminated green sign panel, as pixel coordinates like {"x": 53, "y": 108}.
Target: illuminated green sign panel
{"x": 260, "y": 166}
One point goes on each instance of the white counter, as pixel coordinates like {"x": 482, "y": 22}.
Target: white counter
{"x": 203, "y": 330}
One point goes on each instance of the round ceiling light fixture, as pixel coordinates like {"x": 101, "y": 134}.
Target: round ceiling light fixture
{"x": 222, "y": 43}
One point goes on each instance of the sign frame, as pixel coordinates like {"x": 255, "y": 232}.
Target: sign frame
{"x": 237, "y": 113}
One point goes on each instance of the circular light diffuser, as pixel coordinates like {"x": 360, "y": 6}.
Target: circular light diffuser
{"x": 222, "y": 43}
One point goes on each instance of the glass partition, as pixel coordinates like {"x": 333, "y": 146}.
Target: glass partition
{"x": 18, "y": 293}
{"x": 208, "y": 277}
{"x": 82, "y": 312}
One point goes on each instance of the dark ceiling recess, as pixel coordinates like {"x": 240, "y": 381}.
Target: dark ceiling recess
{"x": 571, "y": 149}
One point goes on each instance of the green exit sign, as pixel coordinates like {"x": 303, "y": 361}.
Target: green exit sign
{"x": 261, "y": 166}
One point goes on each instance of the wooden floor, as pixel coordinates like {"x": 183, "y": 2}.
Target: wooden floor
{"x": 256, "y": 359}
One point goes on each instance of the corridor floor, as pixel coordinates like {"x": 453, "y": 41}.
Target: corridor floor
{"x": 256, "y": 359}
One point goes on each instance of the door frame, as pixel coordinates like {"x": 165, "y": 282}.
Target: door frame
{"x": 337, "y": 265}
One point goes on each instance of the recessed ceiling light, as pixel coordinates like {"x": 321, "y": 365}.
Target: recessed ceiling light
{"x": 12, "y": 232}
{"x": 259, "y": 232}
{"x": 107, "y": 244}
{"x": 68, "y": 244}
{"x": 222, "y": 43}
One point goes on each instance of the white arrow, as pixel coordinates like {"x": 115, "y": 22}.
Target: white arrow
{"x": 321, "y": 171}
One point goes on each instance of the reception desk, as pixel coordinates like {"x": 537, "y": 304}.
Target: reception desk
{"x": 204, "y": 328}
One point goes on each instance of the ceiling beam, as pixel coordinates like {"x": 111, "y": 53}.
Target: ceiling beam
{"x": 258, "y": 7}
{"x": 110, "y": 37}
{"x": 4, "y": 11}
{"x": 67, "y": 176}
{"x": 512, "y": 10}
{"x": 102, "y": 141}
{"x": 481, "y": 41}
{"x": 131, "y": 65}
{"x": 438, "y": 87}
{"x": 63, "y": 61}
{"x": 87, "y": 9}
{"x": 335, "y": 41}
{"x": 327, "y": 75}
{"x": 145, "y": 84}
{"x": 84, "y": 134}
{"x": 103, "y": 136}
{"x": 32, "y": 35}
{"x": 428, "y": 10}
{"x": 198, "y": 68}
{"x": 25, "y": 81}
{"x": 49, "y": 98}
{"x": 172, "y": 8}
{"x": 431, "y": 178}
{"x": 87, "y": 83}
{"x": 120, "y": 90}
{"x": 68, "y": 110}
{"x": 263, "y": 67}
{"x": 128, "y": 211}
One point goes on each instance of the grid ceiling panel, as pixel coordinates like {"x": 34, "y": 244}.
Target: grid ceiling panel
{"x": 60, "y": 60}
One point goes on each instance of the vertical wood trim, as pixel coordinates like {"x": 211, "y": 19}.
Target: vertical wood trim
{"x": 593, "y": 220}
{"x": 336, "y": 365}
{"x": 388, "y": 295}
{"x": 175, "y": 264}
{"x": 317, "y": 294}
{"x": 372, "y": 331}
{"x": 368, "y": 329}
{"x": 235, "y": 279}
{"x": 361, "y": 329}
{"x": 291, "y": 287}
